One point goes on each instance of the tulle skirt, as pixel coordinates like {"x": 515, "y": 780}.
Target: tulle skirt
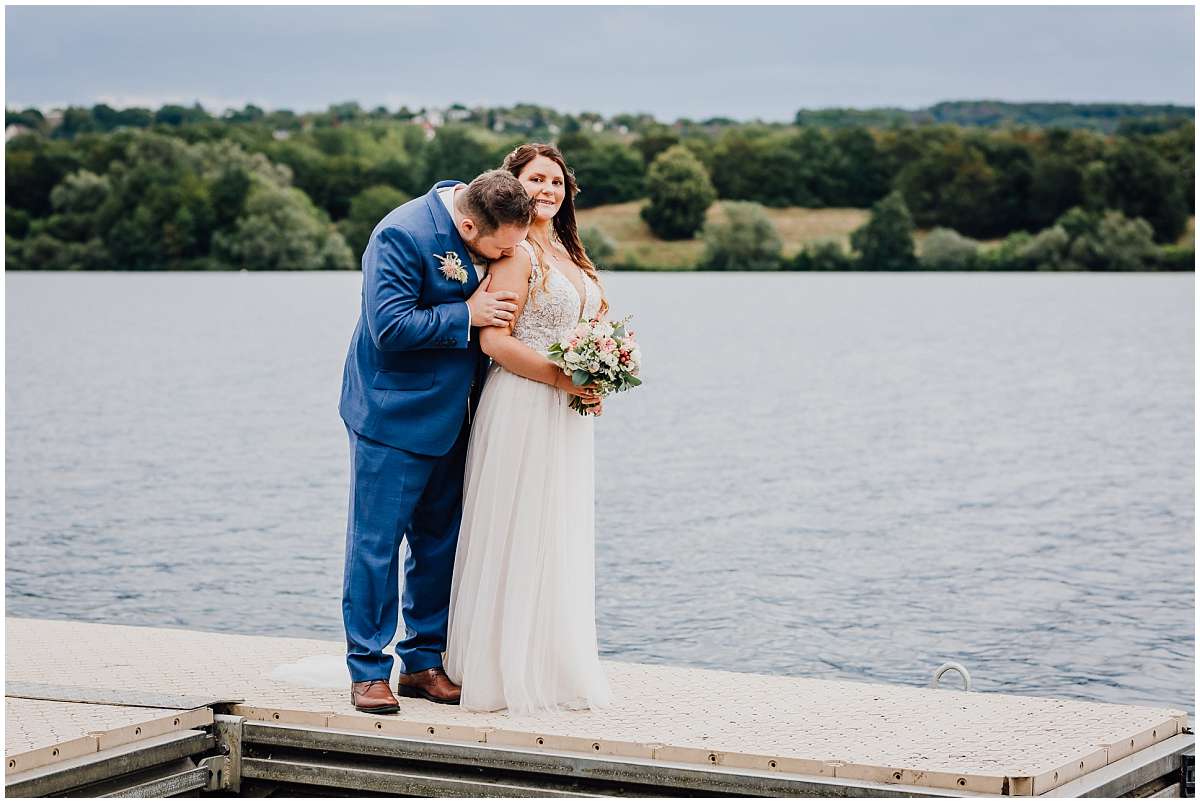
{"x": 522, "y": 627}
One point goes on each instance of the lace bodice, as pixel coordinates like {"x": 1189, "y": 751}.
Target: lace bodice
{"x": 552, "y": 312}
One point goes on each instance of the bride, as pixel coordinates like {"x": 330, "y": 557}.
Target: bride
{"x": 522, "y": 626}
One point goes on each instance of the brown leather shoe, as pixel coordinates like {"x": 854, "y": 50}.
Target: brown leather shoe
{"x": 373, "y": 697}
{"x": 431, "y": 684}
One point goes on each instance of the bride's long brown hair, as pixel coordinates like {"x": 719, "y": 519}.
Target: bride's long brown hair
{"x": 566, "y": 230}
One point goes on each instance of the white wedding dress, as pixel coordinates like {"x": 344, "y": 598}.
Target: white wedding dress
{"x": 522, "y": 627}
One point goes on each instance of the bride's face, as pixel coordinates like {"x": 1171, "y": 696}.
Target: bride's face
{"x": 543, "y": 180}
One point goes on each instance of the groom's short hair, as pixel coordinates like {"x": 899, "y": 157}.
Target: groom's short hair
{"x": 496, "y": 198}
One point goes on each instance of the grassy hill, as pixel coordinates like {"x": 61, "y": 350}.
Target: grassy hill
{"x": 636, "y": 245}
{"x": 797, "y": 226}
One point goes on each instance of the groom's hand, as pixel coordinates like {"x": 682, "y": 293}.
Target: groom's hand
{"x": 491, "y": 309}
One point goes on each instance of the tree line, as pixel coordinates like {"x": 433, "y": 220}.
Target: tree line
{"x": 1105, "y": 117}
{"x": 180, "y": 188}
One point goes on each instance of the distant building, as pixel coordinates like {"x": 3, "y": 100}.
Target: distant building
{"x": 16, "y": 130}
{"x": 281, "y": 134}
{"x": 433, "y": 117}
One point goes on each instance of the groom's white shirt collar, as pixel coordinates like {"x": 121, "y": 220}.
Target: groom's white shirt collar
{"x": 446, "y": 194}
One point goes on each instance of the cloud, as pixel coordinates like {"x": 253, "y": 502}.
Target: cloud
{"x": 751, "y": 61}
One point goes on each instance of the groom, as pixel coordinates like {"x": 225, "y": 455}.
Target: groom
{"x": 412, "y": 377}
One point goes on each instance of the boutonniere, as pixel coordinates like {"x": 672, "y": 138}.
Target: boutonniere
{"x": 452, "y": 267}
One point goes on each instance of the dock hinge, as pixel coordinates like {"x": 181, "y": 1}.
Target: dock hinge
{"x": 1187, "y": 774}
{"x": 218, "y": 772}
{"x": 227, "y": 774}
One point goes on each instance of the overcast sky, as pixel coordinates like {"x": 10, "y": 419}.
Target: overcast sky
{"x": 673, "y": 61}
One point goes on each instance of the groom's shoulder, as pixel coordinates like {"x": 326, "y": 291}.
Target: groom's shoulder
{"x": 415, "y": 217}
{"x": 412, "y": 216}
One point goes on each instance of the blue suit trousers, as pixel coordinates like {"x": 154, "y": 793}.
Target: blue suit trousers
{"x": 398, "y": 496}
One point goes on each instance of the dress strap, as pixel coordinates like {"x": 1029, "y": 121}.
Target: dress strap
{"x": 535, "y": 274}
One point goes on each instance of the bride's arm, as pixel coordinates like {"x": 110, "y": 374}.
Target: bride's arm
{"x": 512, "y": 273}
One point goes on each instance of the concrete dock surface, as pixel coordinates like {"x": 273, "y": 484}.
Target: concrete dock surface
{"x": 74, "y": 688}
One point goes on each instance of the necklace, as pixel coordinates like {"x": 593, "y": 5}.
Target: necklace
{"x": 557, "y": 262}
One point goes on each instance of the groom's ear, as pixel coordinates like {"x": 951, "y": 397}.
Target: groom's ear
{"x": 468, "y": 227}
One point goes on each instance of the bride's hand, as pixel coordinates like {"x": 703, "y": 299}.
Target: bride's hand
{"x": 586, "y": 393}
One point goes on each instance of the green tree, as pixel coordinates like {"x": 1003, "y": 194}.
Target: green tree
{"x": 1011, "y": 159}
{"x": 680, "y": 194}
{"x": 599, "y": 246}
{"x": 946, "y": 249}
{"x": 1047, "y": 250}
{"x": 607, "y": 172}
{"x": 1116, "y": 243}
{"x": 144, "y": 227}
{"x": 885, "y": 241}
{"x": 175, "y": 115}
{"x": 33, "y": 166}
{"x": 1056, "y": 186}
{"x": 75, "y": 120}
{"x": 1085, "y": 240}
{"x": 31, "y": 118}
{"x": 737, "y": 164}
{"x": 951, "y": 185}
{"x": 1141, "y": 183}
{"x": 804, "y": 168}
{"x": 745, "y": 240}
{"x": 282, "y": 230}
{"x": 824, "y": 255}
{"x": 653, "y": 141}
{"x": 16, "y": 222}
{"x": 77, "y": 202}
{"x": 859, "y": 174}
{"x": 1006, "y": 255}
{"x": 228, "y": 193}
{"x": 772, "y": 167}
{"x": 978, "y": 184}
{"x": 249, "y": 114}
{"x": 1176, "y": 258}
{"x": 366, "y": 210}
{"x": 457, "y": 152}
{"x": 1177, "y": 147}
{"x": 42, "y": 251}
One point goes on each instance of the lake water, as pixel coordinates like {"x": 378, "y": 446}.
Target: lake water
{"x": 853, "y": 476}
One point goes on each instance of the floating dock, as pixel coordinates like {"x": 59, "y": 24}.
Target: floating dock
{"x": 98, "y": 710}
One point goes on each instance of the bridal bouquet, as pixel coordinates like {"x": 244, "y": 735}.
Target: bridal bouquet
{"x": 603, "y": 353}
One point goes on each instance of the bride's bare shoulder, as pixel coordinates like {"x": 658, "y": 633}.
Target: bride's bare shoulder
{"x": 518, "y": 264}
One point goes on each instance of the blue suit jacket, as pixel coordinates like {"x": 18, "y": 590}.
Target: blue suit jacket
{"x": 412, "y": 368}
